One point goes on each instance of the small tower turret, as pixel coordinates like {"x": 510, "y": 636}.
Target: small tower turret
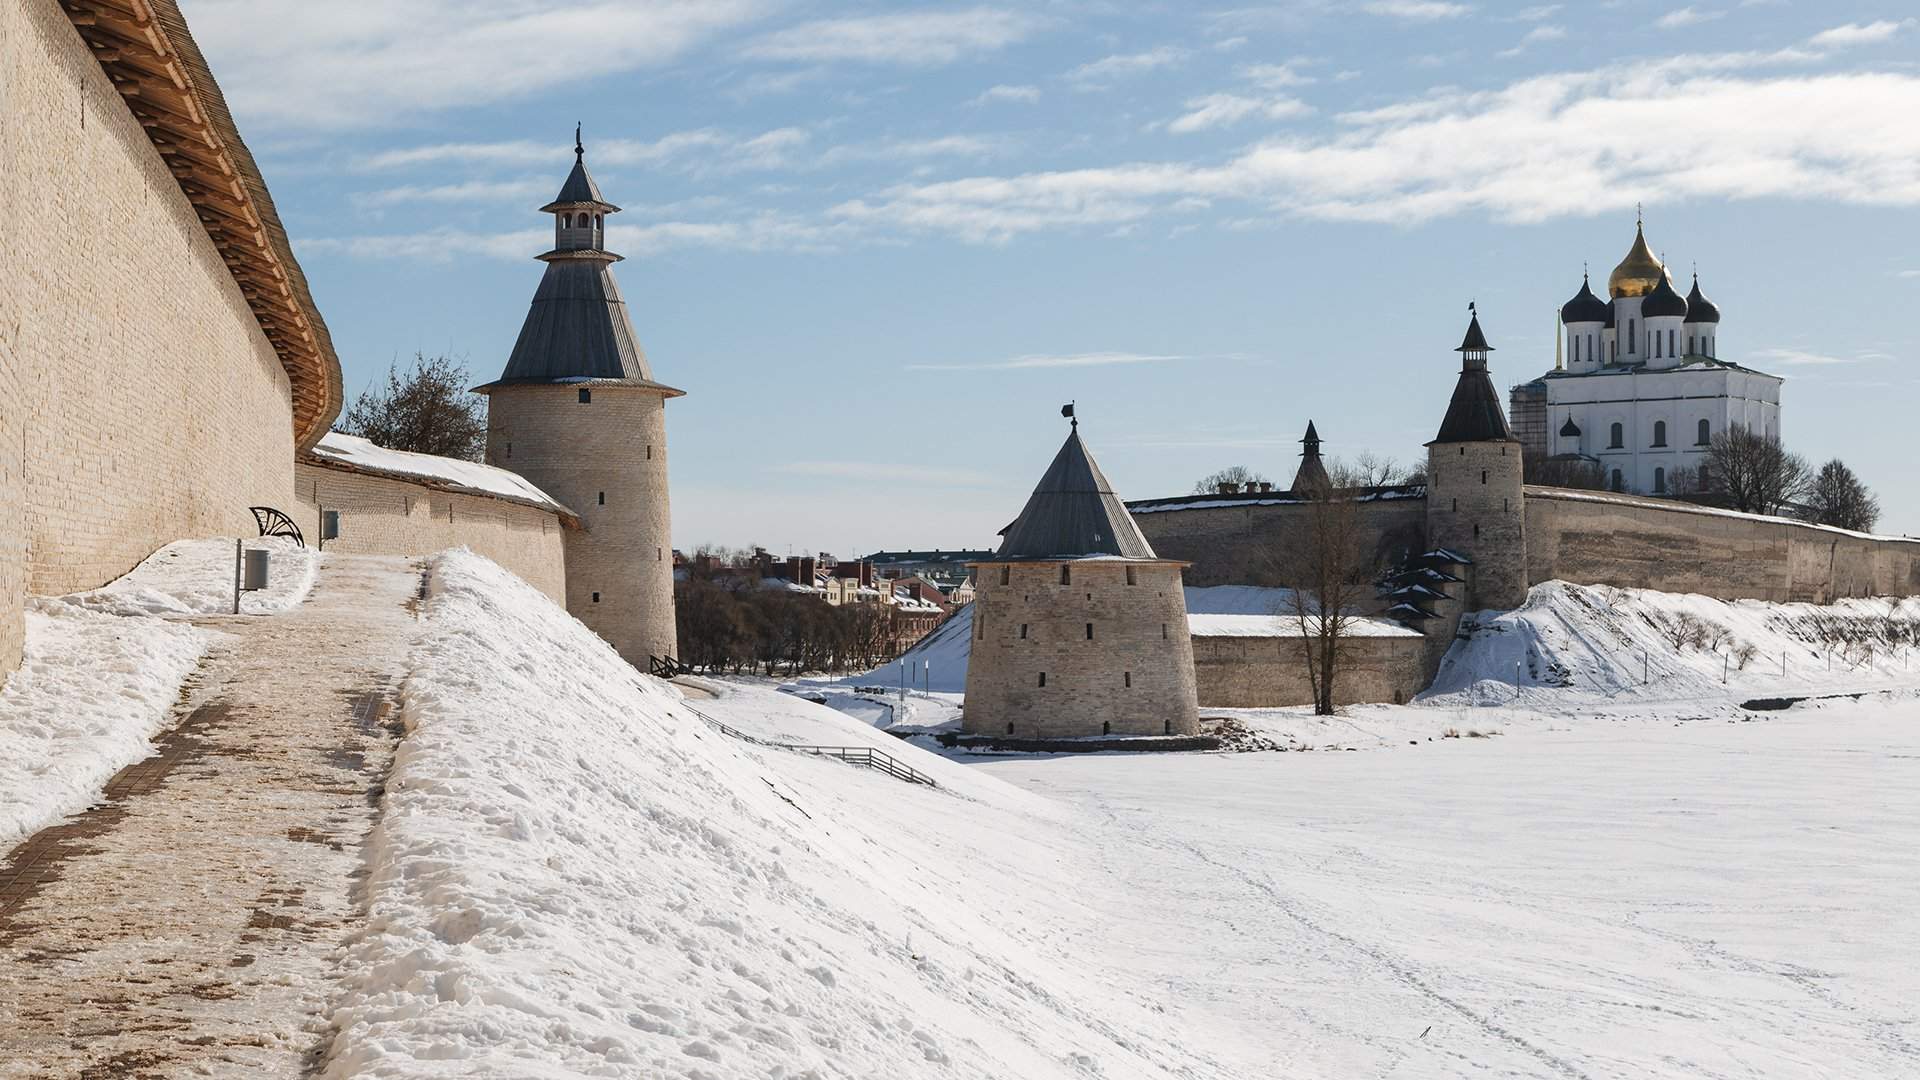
{"x": 1664, "y": 311}
{"x": 1312, "y": 473}
{"x": 1475, "y": 488}
{"x": 578, "y": 413}
{"x": 1585, "y": 321}
{"x": 1703, "y": 322}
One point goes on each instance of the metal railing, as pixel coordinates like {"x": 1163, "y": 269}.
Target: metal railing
{"x": 863, "y": 756}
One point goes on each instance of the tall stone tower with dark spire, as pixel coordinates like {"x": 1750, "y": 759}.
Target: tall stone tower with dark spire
{"x": 578, "y": 413}
{"x": 1475, "y": 489}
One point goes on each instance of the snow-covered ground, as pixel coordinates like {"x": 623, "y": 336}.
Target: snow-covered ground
{"x": 102, "y": 670}
{"x": 576, "y": 876}
{"x": 195, "y": 577}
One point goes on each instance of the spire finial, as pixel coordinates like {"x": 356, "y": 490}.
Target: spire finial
{"x": 579, "y": 151}
{"x": 1639, "y": 215}
{"x": 1067, "y": 411}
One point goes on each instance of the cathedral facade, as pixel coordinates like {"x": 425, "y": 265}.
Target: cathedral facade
{"x": 1640, "y": 388}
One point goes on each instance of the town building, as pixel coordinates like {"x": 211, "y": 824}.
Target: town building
{"x": 578, "y": 413}
{"x": 1639, "y": 386}
{"x": 1079, "y": 629}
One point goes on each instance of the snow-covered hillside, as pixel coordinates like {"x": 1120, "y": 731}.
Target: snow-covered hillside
{"x": 574, "y": 875}
{"x": 1580, "y": 642}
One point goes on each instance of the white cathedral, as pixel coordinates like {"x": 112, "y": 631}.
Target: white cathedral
{"x": 1638, "y": 386}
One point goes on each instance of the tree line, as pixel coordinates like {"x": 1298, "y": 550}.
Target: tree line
{"x": 734, "y": 626}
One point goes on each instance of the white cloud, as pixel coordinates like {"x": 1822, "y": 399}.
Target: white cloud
{"x": 702, "y": 152}
{"x": 1224, "y": 110}
{"x": 1536, "y": 13}
{"x": 1416, "y": 10}
{"x": 760, "y": 232}
{"x": 1686, "y": 16}
{"x": 1851, "y": 34}
{"x": 1121, "y": 65}
{"x": 1064, "y": 360}
{"x": 1534, "y": 37}
{"x": 1229, "y": 44}
{"x": 1274, "y": 76}
{"x": 1025, "y": 95}
{"x": 293, "y": 64}
{"x": 908, "y": 38}
{"x": 1545, "y": 147}
{"x": 1908, "y": 274}
{"x": 1797, "y": 358}
{"x": 468, "y": 191}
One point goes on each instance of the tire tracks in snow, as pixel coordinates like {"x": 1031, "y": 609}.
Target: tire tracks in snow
{"x": 1398, "y": 968}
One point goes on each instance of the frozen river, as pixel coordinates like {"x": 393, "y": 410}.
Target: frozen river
{"x": 1621, "y": 900}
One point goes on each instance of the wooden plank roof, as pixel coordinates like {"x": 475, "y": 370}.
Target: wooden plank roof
{"x": 145, "y": 49}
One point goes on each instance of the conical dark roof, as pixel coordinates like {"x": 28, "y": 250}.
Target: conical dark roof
{"x": 1699, "y": 308}
{"x": 1073, "y": 514}
{"x": 579, "y": 190}
{"x": 1312, "y": 472}
{"x": 1585, "y": 307}
{"x": 1312, "y": 439}
{"x": 1475, "y": 341}
{"x": 1664, "y": 300}
{"x": 577, "y": 328}
{"x": 1474, "y": 414}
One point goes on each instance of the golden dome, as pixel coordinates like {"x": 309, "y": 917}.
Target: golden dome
{"x": 1639, "y": 273}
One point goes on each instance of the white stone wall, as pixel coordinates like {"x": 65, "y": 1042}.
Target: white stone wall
{"x": 146, "y": 404}
{"x": 1133, "y": 676}
{"x": 605, "y": 460}
{"x": 388, "y": 516}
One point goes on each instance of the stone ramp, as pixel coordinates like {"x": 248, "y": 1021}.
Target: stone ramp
{"x": 190, "y": 923}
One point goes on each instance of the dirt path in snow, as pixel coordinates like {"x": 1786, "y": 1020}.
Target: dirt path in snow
{"x": 189, "y": 924}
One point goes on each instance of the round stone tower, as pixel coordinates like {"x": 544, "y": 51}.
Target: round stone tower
{"x": 1475, "y": 487}
{"x": 578, "y": 413}
{"x": 1079, "y": 629}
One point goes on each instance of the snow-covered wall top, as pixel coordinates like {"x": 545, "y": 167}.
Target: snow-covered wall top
{"x": 1535, "y": 491}
{"x": 468, "y": 477}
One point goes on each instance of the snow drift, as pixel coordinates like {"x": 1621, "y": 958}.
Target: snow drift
{"x": 575, "y": 876}
{"x": 1598, "y": 641}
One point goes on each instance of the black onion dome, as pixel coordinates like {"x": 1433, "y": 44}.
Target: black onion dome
{"x": 1585, "y": 307}
{"x": 1570, "y": 429}
{"x": 1699, "y": 308}
{"x": 1663, "y": 301}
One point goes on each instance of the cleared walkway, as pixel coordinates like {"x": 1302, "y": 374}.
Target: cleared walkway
{"x": 189, "y": 925}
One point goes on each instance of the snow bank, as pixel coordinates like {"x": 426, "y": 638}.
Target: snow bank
{"x": 1594, "y": 641}
{"x": 575, "y": 876}
{"x": 195, "y": 577}
{"x": 91, "y": 690}
{"x": 468, "y": 476}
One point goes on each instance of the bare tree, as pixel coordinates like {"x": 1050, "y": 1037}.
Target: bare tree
{"x": 427, "y": 410}
{"x": 1237, "y": 475}
{"x": 1329, "y": 570}
{"x": 1837, "y": 497}
{"x": 1758, "y": 475}
{"x": 1683, "y": 481}
{"x": 1369, "y": 469}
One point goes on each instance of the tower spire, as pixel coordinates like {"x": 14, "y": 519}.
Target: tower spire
{"x": 579, "y": 150}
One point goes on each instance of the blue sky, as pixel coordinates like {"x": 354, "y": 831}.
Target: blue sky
{"x": 880, "y": 244}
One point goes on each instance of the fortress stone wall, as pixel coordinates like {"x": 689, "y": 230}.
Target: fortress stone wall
{"x": 143, "y": 403}
{"x": 387, "y": 516}
{"x": 1593, "y": 538}
{"x": 1135, "y": 672}
{"x": 1231, "y": 539}
{"x": 1251, "y": 672}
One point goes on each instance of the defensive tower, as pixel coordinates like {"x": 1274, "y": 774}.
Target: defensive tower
{"x": 1475, "y": 490}
{"x": 1079, "y": 628}
{"x": 578, "y": 413}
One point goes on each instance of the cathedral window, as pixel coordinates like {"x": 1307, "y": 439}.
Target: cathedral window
{"x": 1659, "y": 481}
{"x": 1705, "y": 435}
{"x": 1616, "y": 483}
{"x": 1671, "y": 336}
{"x": 1690, "y": 344}
{"x": 1659, "y": 433}
{"x": 1618, "y": 437}
{"x": 1630, "y": 337}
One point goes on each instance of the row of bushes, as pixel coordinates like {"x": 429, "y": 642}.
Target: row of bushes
{"x": 734, "y": 629}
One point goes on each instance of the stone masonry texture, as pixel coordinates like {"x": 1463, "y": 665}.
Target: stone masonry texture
{"x": 1255, "y": 672}
{"x": 1135, "y": 673}
{"x": 386, "y": 516}
{"x": 606, "y": 460}
{"x": 156, "y": 408}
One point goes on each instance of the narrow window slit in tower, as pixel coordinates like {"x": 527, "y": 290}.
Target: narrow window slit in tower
{"x": 1089, "y": 631}
{"x": 1043, "y": 678}
{"x": 586, "y": 395}
{"x": 596, "y": 598}
{"x": 1066, "y": 575}
{"x": 1106, "y": 727}
{"x": 1130, "y": 579}
{"x": 1023, "y": 631}
{"x": 1127, "y": 679}
{"x": 603, "y": 498}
